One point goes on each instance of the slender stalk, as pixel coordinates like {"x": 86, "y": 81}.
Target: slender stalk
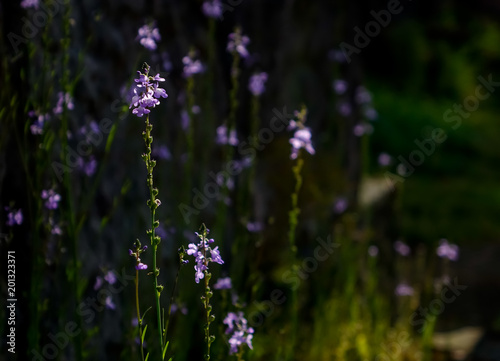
{"x": 155, "y": 240}
{"x": 139, "y": 319}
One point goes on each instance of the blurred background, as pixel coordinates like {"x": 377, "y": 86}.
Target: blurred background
{"x": 401, "y": 100}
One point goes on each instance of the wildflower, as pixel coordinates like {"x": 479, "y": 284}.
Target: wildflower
{"x": 191, "y": 65}
{"x": 373, "y": 251}
{"x": 212, "y": 8}
{"x": 162, "y": 152}
{"x": 37, "y": 127}
{"x": 52, "y": 199}
{"x": 147, "y": 92}
{"x": 362, "y": 95}
{"x": 447, "y": 250}
{"x": 203, "y": 254}
{"x": 344, "y": 108}
{"x": 222, "y": 137}
{"x": 237, "y": 327}
{"x": 63, "y": 98}
{"x": 256, "y": 83}
{"x": 404, "y": 290}
{"x": 255, "y": 226}
{"x": 25, "y": 4}
{"x": 301, "y": 139}
{"x": 340, "y": 205}
{"x": 340, "y": 86}
{"x": 109, "y": 303}
{"x": 138, "y": 250}
{"x": 148, "y": 35}
{"x": 98, "y": 283}
{"x": 14, "y": 217}
{"x": 401, "y": 248}
{"x": 237, "y": 43}
{"x": 223, "y": 284}
{"x": 110, "y": 277}
{"x": 370, "y": 113}
{"x": 182, "y": 308}
{"x": 384, "y": 159}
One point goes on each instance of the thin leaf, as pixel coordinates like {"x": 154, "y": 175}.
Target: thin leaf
{"x": 147, "y": 356}
{"x": 165, "y": 351}
{"x": 143, "y": 334}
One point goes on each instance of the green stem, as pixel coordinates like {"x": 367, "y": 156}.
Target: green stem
{"x": 150, "y": 164}
{"x": 139, "y": 319}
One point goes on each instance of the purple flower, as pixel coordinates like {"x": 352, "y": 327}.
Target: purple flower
{"x": 447, "y": 250}
{"x": 203, "y": 254}
{"x": 362, "y": 95}
{"x": 191, "y": 65}
{"x": 222, "y": 136}
{"x": 401, "y": 248}
{"x": 141, "y": 266}
{"x": 98, "y": 283}
{"x": 161, "y": 152}
{"x": 404, "y": 290}
{"x": 110, "y": 277}
{"x": 301, "y": 139}
{"x": 14, "y": 217}
{"x": 63, "y": 98}
{"x": 146, "y": 93}
{"x": 237, "y": 327}
{"x": 340, "y": 86}
{"x": 148, "y": 35}
{"x": 344, "y": 108}
{"x": 255, "y": 226}
{"x": 30, "y": 4}
{"x": 52, "y": 199}
{"x": 256, "y": 83}
{"x": 371, "y": 113}
{"x": 373, "y": 251}
{"x": 37, "y": 127}
{"x": 384, "y": 159}
{"x": 212, "y": 8}
{"x": 109, "y": 303}
{"x": 362, "y": 128}
{"x": 223, "y": 284}
{"x": 237, "y": 43}
{"x": 340, "y": 205}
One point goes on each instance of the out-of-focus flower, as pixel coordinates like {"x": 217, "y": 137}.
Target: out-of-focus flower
{"x": 237, "y": 43}
{"x": 371, "y": 113}
{"x": 362, "y": 129}
{"x": 63, "y": 98}
{"x": 182, "y": 308}
{"x": 212, "y": 8}
{"x": 109, "y": 303}
{"x": 344, "y": 108}
{"x": 373, "y": 251}
{"x": 98, "y": 283}
{"x": 30, "y": 4}
{"x": 340, "y": 86}
{"x": 52, "y": 198}
{"x": 255, "y": 226}
{"x": 14, "y": 217}
{"x": 402, "y": 248}
{"x": 223, "y": 284}
{"x": 337, "y": 56}
{"x": 384, "y": 159}
{"x": 237, "y": 327}
{"x": 447, "y": 250}
{"x": 362, "y": 95}
{"x": 301, "y": 139}
{"x": 161, "y": 152}
{"x": 404, "y": 290}
{"x": 256, "y": 83}
{"x": 37, "y": 127}
{"x": 191, "y": 65}
{"x": 148, "y": 35}
{"x": 340, "y": 205}
{"x": 222, "y": 137}
{"x": 110, "y": 277}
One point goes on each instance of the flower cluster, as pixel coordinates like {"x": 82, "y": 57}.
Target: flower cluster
{"x": 63, "y": 98}
{"x": 222, "y": 136}
{"x": 302, "y": 135}
{"x": 14, "y": 217}
{"x": 203, "y": 254}
{"x": 52, "y": 199}
{"x": 237, "y": 43}
{"x": 136, "y": 254}
{"x": 192, "y": 65}
{"x": 212, "y": 8}
{"x": 148, "y": 35}
{"x": 237, "y": 327}
{"x": 30, "y": 4}
{"x": 447, "y": 250}
{"x": 256, "y": 83}
{"x": 147, "y": 92}
{"x": 223, "y": 284}
{"x": 402, "y": 248}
